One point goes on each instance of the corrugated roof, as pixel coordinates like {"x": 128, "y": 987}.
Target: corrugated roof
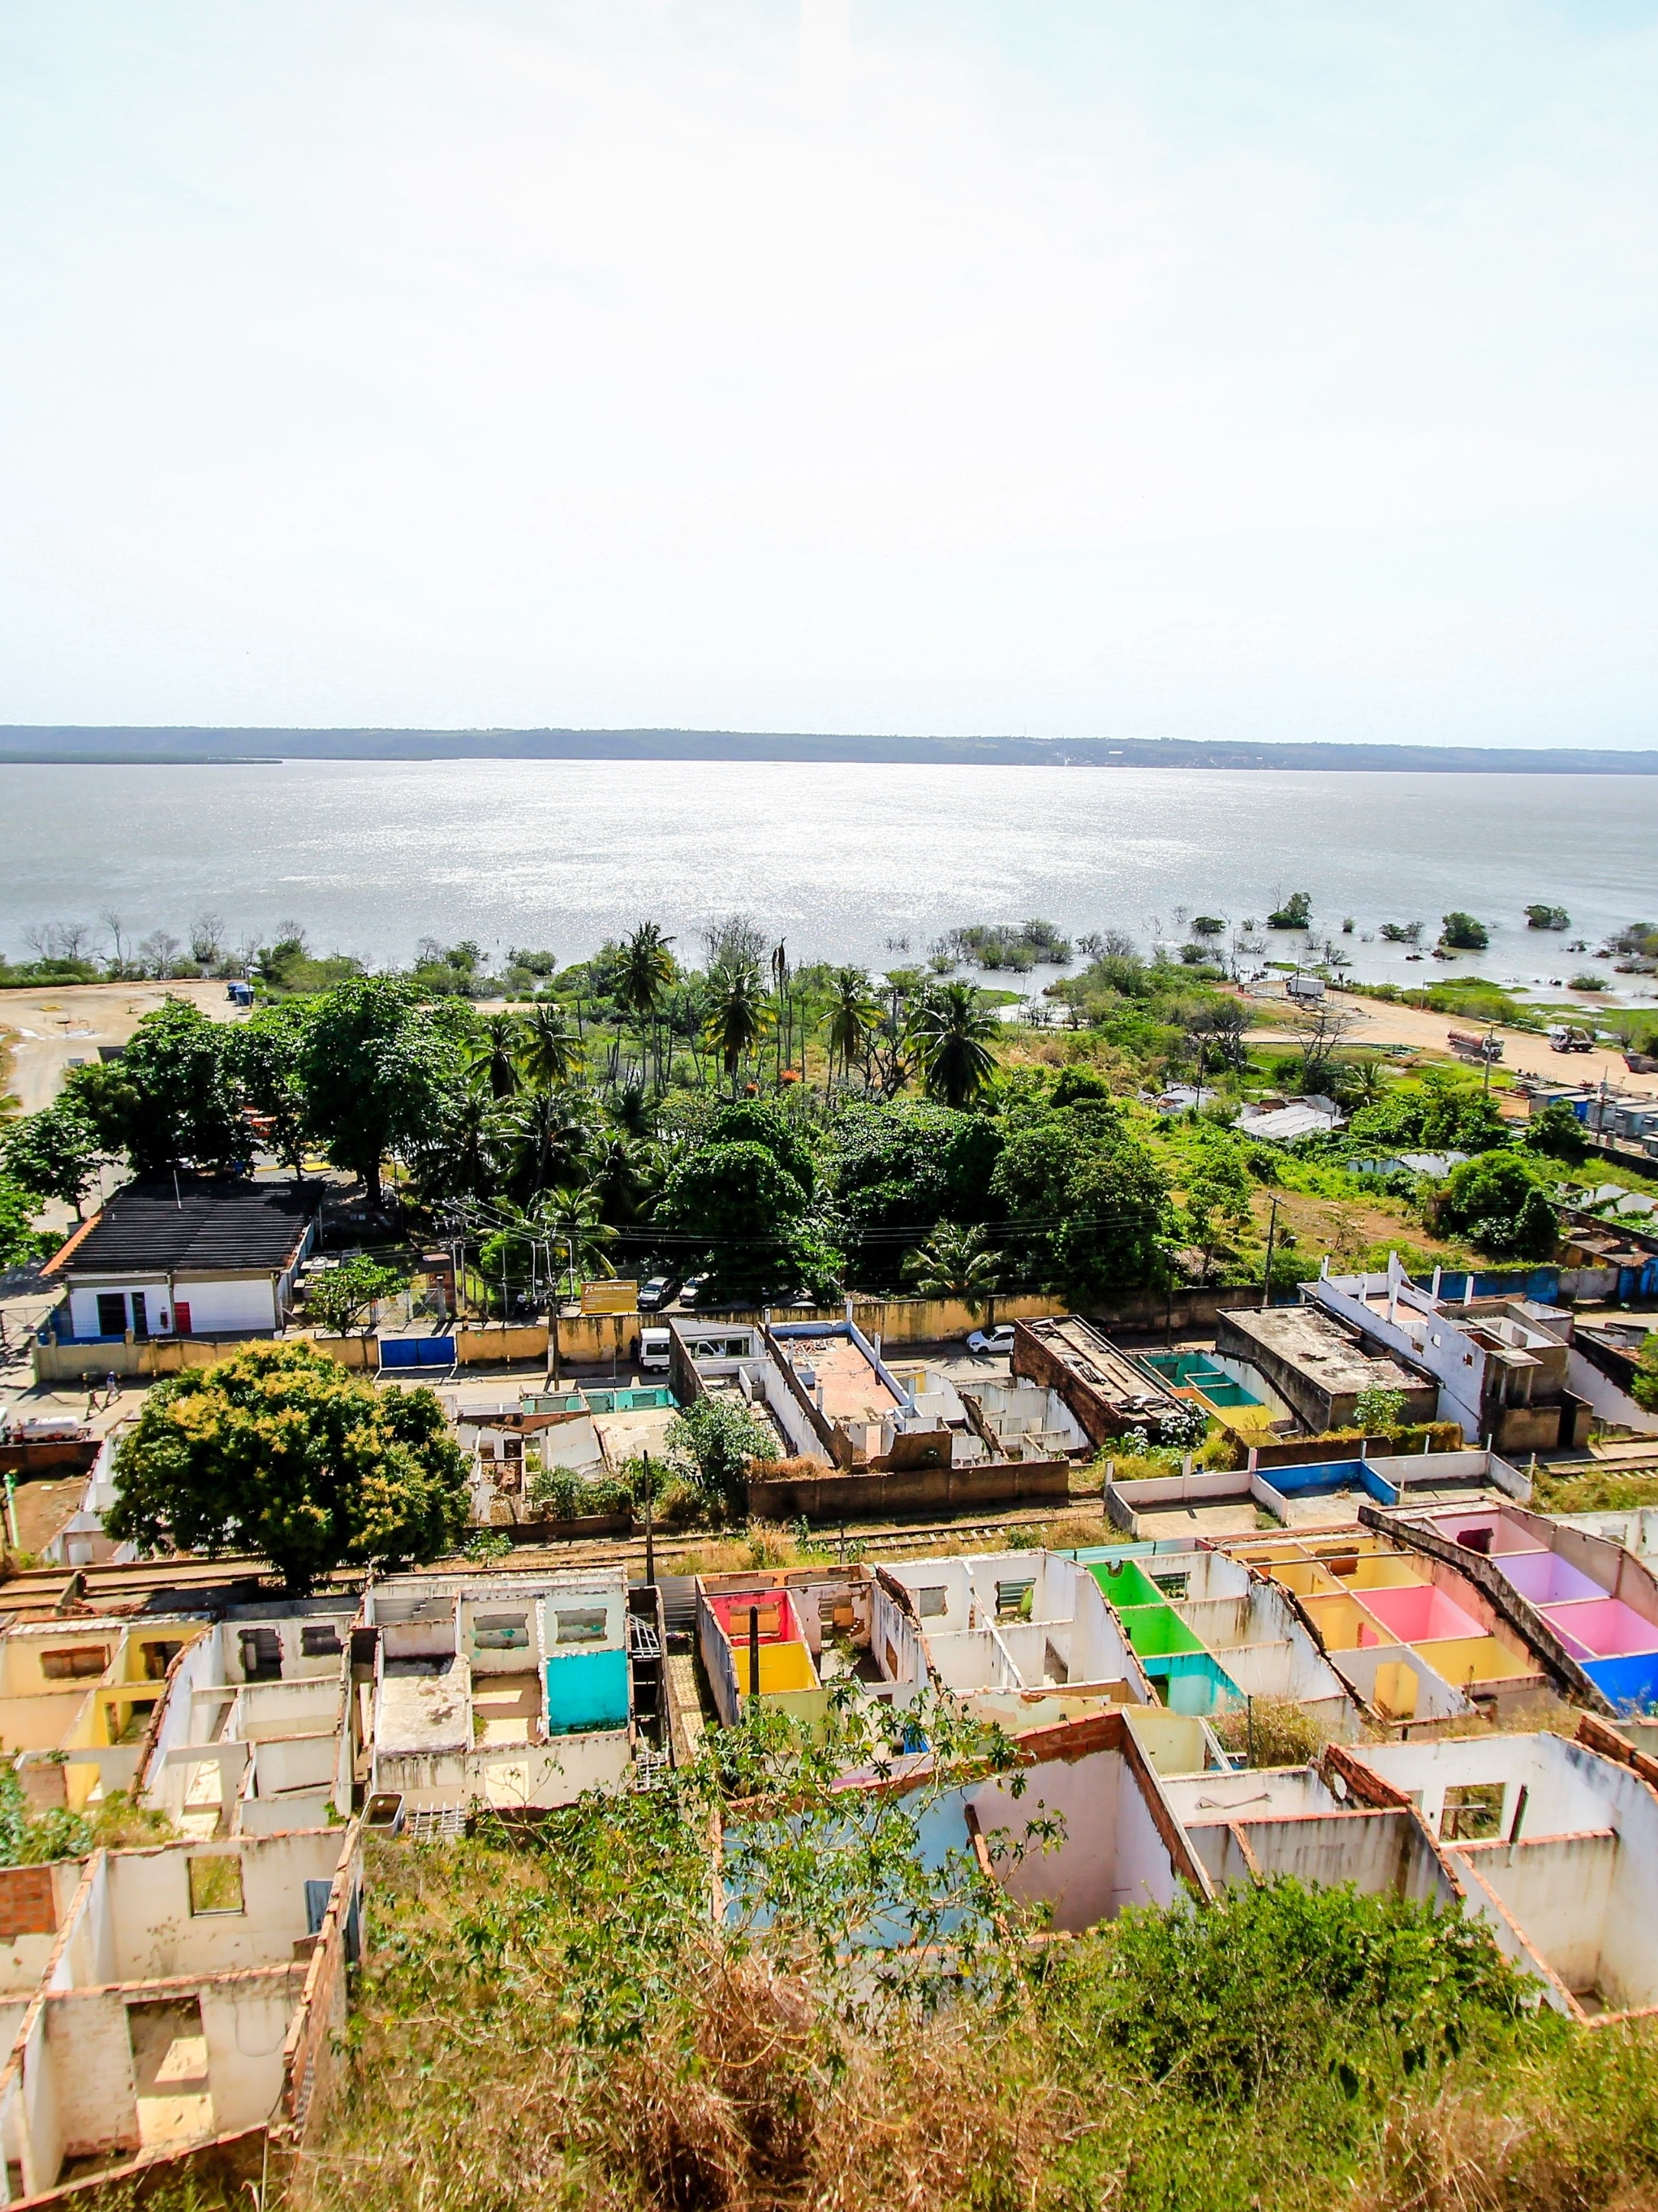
{"x": 210, "y": 1223}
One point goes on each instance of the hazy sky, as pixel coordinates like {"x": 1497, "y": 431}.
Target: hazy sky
{"x": 1213, "y": 370}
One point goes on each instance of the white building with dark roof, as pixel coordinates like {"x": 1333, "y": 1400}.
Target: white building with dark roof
{"x": 203, "y": 1255}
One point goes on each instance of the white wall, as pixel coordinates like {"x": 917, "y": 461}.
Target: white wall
{"x": 155, "y": 1934}
{"x": 249, "y": 1303}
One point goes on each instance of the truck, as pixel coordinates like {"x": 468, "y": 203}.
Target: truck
{"x": 1475, "y": 1044}
{"x": 1566, "y": 1036}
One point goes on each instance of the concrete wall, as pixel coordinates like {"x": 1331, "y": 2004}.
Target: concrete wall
{"x": 837, "y": 1495}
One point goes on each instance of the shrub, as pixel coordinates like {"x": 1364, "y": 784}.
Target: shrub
{"x": 1463, "y": 933}
{"x": 713, "y": 1444}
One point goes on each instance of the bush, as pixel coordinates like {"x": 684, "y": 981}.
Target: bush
{"x": 1500, "y": 1204}
{"x": 1463, "y": 933}
{"x": 1271, "y": 1732}
{"x": 713, "y": 1444}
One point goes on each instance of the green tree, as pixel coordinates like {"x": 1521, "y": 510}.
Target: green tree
{"x": 344, "y": 1297}
{"x": 54, "y": 1154}
{"x": 462, "y": 1150}
{"x": 738, "y": 1016}
{"x": 1296, "y": 913}
{"x": 953, "y": 1033}
{"x": 567, "y": 1225}
{"x": 279, "y": 1453}
{"x": 1498, "y": 1202}
{"x": 1379, "y": 1408}
{"x": 494, "y": 1059}
{"x": 1462, "y": 933}
{"x": 1086, "y": 1200}
{"x": 550, "y": 1137}
{"x": 852, "y": 1014}
{"x": 644, "y": 978}
{"x": 550, "y": 1052}
{"x": 20, "y": 1242}
{"x": 377, "y": 1066}
{"x": 1644, "y": 1387}
{"x": 175, "y": 1102}
{"x": 265, "y": 1055}
{"x": 746, "y": 1217}
{"x": 955, "y": 1263}
{"x": 1557, "y": 1132}
{"x": 713, "y": 1444}
{"x": 763, "y": 1121}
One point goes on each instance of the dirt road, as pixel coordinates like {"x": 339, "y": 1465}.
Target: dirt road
{"x": 1524, "y": 1051}
{"x": 48, "y": 1030}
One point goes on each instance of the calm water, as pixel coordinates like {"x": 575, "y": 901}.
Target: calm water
{"x": 847, "y": 863}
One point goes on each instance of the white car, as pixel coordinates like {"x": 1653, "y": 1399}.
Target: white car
{"x": 999, "y": 1338}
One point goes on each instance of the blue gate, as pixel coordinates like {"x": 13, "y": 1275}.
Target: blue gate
{"x": 417, "y": 1352}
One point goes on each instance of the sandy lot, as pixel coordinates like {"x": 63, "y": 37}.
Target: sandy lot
{"x": 1523, "y": 1052}
{"x": 47, "y": 1031}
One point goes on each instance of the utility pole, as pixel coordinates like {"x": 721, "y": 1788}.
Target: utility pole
{"x": 650, "y": 1549}
{"x": 1266, "y": 1281}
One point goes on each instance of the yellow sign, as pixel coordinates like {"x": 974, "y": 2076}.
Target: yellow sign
{"x": 613, "y": 1298}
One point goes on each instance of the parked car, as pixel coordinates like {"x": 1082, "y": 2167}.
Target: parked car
{"x": 692, "y": 1290}
{"x": 999, "y": 1338}
{"x": 657, "y": 1293}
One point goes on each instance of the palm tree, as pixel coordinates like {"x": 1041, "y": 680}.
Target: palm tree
{"x": 550, "y": 1052}
{"x": 852, "y": 1013}
{"x": 738, "y": 1015}
{"x": 566, "y": 1219}
{"x": 550, "y": 1133}
{"x": 623, "y": 1173}
{"x": 955, "y": 1264}
{"x": 494, "y": 1057}
{"x": 953, "y": 1032}
{"x": 647, "y": 971}
{"x": 1361, "y": 1083}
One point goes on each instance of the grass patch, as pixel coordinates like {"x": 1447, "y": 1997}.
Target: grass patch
{"x": 558, "y": 2025}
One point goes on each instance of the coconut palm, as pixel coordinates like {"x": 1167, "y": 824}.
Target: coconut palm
{"x": 624, "y": 1175}
{"x": 953, "y": 1032}
{"x": 493, "y": 1061}
{"x": 567, "y": 1221}
{"x": 852, "y": 1013}
{"x": 955, "y": 1263}
{"x": 738, "y": 1016}
{"x": 549, "y": 1133}
{"x": 550, "y": 1051}
{"x": 645, "y": 973}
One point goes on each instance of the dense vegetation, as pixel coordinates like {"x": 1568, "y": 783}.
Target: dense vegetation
{"x": 791, "y": 1132}
{"x": 556, "y": 2020}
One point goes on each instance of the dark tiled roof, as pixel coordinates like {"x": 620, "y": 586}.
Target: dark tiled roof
{"x": 220, "y": 1223}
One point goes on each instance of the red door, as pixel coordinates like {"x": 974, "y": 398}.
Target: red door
{"x": 181, "y": 1316}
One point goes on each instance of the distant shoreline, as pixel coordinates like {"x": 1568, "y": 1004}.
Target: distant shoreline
{"x": 25, "y": 744}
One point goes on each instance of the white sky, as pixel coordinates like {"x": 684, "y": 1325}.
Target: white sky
{"x": 1061, "y": 366}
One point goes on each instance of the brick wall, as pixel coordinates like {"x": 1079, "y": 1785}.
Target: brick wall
{"x": 26, "y": 1902}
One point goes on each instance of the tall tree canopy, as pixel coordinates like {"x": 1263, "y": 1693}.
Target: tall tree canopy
{"x": 281, "y": 1453}
{"x": 171, "y": 1098}
{"x": 378, "y": 1067}
{"x": 1084, "y": 1197}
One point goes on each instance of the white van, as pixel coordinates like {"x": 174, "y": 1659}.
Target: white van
{"x": 653, "y": 1349}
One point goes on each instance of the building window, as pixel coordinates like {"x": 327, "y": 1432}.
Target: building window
{"x": 262, "y": 1654}
{"x": 73, "y": 1665}
{"x": 582, "y": 1624}
{"x": 215, "y": 1883}
{"x": 158, "y": 1657}
{"x": 1472, "y": 1810}
{"x": 320, "y": 1640}
{"x": 932, "y": 1602}
{"x": 112, "y": 1313}
{"x": 502, "y": 1632}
